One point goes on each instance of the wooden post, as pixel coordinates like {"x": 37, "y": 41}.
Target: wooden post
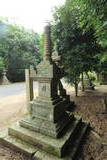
{"x": 29, "y": 86}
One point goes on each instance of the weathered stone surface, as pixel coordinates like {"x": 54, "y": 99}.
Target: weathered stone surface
{"x": 48, "y": 106}
{"x": 41, "y": 155}
{"x": 71, "y": 150}
{"x": 46, "y": 143}
{"x": 49, "y": 110}
{"x": 47, "y": 42}
{"x": 16, "y": 144}
{"x": 42, "y": 147}
{"x": 3, "y": 79}
{"x": 19, "y": 145}
{"x": 47, "y": 127}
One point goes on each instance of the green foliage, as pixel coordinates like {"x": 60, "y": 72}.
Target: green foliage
{"x": 92, "y": 76}
{"x": 101, "y": 12}
{"x": 96, "y": 16}
{"x": 1, "y": 65}
{"x": 19, "y": 49}
{"x": 76, "y": 40}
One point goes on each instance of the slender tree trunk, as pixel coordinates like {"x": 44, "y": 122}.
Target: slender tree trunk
{"x": 82, "y": 82}
{"x": 88, "y": 78}
{"x": 76, "y": 89}
{"x": 98, "y": 76}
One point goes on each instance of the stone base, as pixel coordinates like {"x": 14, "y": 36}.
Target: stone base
{"x": 42, "y": 147}
{"x": 47, "y": 127}
{"x": 48, "y": 109}
{"x": 4, "y": 82}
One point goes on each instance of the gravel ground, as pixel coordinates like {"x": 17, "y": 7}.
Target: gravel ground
{"x": 7, "y": 154}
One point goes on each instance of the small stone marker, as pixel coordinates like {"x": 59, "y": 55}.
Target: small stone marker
{"x": 88, "y": 85}
{"x": 4, "y": 80}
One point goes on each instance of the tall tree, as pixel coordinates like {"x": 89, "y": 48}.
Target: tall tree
{"x": 1, "y": 65}
{"x": 77, "y": 45}
{"x": 98, "y": 16}
{"x": 19, "y": 49}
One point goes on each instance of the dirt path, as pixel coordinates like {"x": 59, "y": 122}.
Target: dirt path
{"x": 12, "y": 108}
{"x": 12, "y": 103}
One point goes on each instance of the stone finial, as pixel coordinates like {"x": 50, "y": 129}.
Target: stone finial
{"x": 47, "y": 42}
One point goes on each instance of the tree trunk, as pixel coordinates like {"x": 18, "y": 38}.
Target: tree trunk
{"x": 88, "y": 78}
{"x": 76, "y": 89}
{"x": 82, "y": 82}
{"x": 98, "y": 76}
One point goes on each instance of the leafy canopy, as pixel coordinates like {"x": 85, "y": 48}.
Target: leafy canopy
{"x": 19, "y": 48}
{"x": 76, "y": 40}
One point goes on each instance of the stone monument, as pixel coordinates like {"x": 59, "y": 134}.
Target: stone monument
{"x": 4, "y": 80}
{"x": 50, "y": 131}
{"x": 88, "y": 85}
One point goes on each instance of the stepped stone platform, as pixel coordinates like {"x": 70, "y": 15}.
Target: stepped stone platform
{"x": 41, "y": 147}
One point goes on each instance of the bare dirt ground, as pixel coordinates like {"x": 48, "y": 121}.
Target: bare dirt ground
{"x": 12, "y": 108}
{"x": 90, "y": 106}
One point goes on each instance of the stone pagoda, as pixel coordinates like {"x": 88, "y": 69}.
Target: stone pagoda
{"x": 50, "y": 131}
